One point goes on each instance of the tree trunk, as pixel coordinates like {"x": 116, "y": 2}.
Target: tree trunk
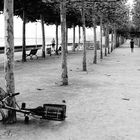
{"x": 24, "y": 38}
{"x": 36, "y": 35}
{"x": 138, "y": 42}
{"x": 108, "y": 43}
{"x": 73, "y": 48}
{"x": 115, "y": 38}
{"x": 112, "y": 41}
{"x": 79, "y": 35}
{"x": 94, "y": 33}
{"x": 56, "y": 49}
{"x": 43, "y": 37}
{"x": 9, "y": 58}
{"x": 122, "y": 40}
{"x": 101, "y": 46}
{"x": 64, "y": 75}
{"x": 105, "y": 30}
{"x": 118, "y": 41}
{"x": 95, "y": 46}
{"x": 84, "y": 36}
{"x": 67, "y": 39}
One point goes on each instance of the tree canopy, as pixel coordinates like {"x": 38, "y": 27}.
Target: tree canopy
{"x": 135, "y": 22}
{"x": 1, "y": 6}
{"x": 112, "y": 12}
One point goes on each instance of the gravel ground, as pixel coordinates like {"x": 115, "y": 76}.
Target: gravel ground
{"x": 102, "y": 103}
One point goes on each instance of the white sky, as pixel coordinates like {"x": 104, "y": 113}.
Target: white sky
{"x": 130, "y": 2}
{"x": 31, "y": 29}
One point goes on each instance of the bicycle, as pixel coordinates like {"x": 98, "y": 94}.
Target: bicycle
{"x": 55, "y": 112}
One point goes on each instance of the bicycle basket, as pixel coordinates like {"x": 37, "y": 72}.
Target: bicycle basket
{"x": 55, "y": 112}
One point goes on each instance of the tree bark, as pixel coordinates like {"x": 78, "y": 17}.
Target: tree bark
{"x": 108, "y": 43}
{"x": 73, "y": 48}
{"x": 118, "y": 41}
{"x": 105, "y": 30}
{"x": 122, "y": 40}
{"x": 84, "y": 36}
{"x": 9, "y": 58}
{"x": 67, "y": 39}
{"x": 115, "y": 38}
{"x": 94, "y": 33}
{"x": 56, "y": 49}
{"x": 64, "y": 75}
{"x": 112, "y": 41}
{"x": 24, "y": 38}
{"x": 79, "y": 35}
{"x": 95, "y": 46}
{"x": 43, "y": 37}
{"x": 138, "y": 42}
{"x": 101, "y": 41}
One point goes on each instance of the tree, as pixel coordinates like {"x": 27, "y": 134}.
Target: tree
{"x": 1, "y": 6}
{"x": 101, "y": 46}
{"x": 94, "y": 28}
{"x": 47, "y": 15}
{"x": 72, "y": 16}
{"x": 30, "y": 11}
{"x": 20, "y": 10}
{"x": 62, "y": 4}
{"x": 114, "y": 15}
{"x": 64, "y": 75}
{"x": 9, "y": 58}
{"x": 76, "y": 16}
{"x": 135, "y": 23}
{"x": 51, "y": 14}
{"x": 84, "y": 36}
{"x": 43, "y": 36}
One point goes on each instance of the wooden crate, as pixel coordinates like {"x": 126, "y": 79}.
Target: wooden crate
{"x": 55, "y": 112}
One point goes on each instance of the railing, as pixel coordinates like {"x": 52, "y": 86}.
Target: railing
{"x": 19, "y": 48}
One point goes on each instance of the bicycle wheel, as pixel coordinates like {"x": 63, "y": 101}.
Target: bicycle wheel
{"x": 2, "y": 116}
{"x": 26, "y": 121}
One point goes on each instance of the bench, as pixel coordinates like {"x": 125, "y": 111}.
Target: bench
{"x": 32, "y": 53}
{"x": 49, "y": 51}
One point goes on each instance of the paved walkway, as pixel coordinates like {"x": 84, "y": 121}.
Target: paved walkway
{"x": 102, "y": 104}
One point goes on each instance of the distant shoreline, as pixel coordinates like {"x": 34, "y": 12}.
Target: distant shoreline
{"x": 19, "y": 48}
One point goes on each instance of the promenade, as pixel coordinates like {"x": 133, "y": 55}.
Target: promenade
{"x": 102, "y": 103}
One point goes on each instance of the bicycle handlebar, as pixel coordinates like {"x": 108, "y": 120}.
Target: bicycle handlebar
{"x": 2, "y": 101}
{"x": 14, "y": 94}
{"x": 9, "y": 95}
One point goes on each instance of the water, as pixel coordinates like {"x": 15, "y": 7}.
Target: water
{"x": 38, "y": 41}
{"x": 29, "y": 41}
{"x": 34, "y": 41}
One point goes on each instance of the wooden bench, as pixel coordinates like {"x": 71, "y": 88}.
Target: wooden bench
{"x": 32, "y": 53}
{"x": 59, "y": 50}
{"x": 49, "y": 51}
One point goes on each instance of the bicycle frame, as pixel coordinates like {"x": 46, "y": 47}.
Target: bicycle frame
{"x": 7, "y": 107}
{"x": 55, "y": 112}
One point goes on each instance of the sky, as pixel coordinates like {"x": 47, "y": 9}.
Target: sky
{"x": 32, "y": 29}
{"x": 130, "y": 2}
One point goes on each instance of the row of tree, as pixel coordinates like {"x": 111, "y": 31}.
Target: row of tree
{"x": 106, "y": 13}
{"x": 135, "y": 23}
{"x": 111, "y": 16}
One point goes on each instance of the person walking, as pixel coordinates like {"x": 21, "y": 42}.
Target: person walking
{"x": 132, "y": 45}
{"x": 53, "y": 43}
